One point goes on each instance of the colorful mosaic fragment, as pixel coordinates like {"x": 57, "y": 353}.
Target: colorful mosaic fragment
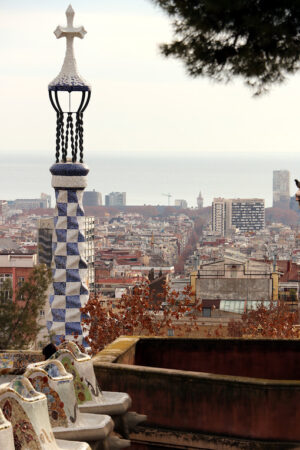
{"x": 73, "y": 348}
{"x": 81, "y": 389}
{"x": 22, "y": 387}
{"x": 24, "y": 435}
{"x": 82, "y": 363}
{"x": 16, "y": 363}
{"x": 52, "y": 370}
{"x": 56, "y": 410}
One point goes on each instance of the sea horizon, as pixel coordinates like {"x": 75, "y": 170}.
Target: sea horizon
{"x": 145, "y": 177}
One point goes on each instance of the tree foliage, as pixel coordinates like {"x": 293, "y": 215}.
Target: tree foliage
{"x": 275, "y": 321}
{"x": 18, "y": 320}
{"x": 257, "y": 40}
{"x": 140, "y": 312}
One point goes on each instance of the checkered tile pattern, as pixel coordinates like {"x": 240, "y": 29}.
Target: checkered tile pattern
{"x": 69, "y": 291}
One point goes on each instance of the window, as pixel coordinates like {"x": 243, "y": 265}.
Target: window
{"x": 20, "y": 284}
{"x": 5, "y": 286}
{"x": 206, "y": 312}
{"x": 20, "y": 281}
{"x": 42, "y": 313}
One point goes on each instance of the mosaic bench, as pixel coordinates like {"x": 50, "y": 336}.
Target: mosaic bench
{"x": 15, "y": 362}
{"x": 26, "y": 410}
{"x": 89, "y": 395}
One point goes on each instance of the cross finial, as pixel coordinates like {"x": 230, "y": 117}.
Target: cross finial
{"x": 70, "y": 16}
{"x": 69, "y": 79}
{"x": 70, "y": 31}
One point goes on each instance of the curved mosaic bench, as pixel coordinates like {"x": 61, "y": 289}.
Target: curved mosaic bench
{"x": 6, "y": 433}
{"x": 15, "y": 362}
{"x": 89, "y": 395}
{"x": 67, "y": 421}
{"x": 27, "y": 411}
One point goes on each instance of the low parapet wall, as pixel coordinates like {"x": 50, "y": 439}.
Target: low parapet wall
{"x": 206, "y": 403}
{"x": 255, "y": 358}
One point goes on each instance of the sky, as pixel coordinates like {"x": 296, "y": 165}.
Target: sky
{"x": 141, "y": 102}
{"x": 143, "y": 106}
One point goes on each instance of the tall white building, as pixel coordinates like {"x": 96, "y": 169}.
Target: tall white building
{"x": 92, "y": 198}
{"x": 3, "y": 211}
{"x": 115, "y": 199}
{"x": 281, "y": 189}
{"x": 220, "y": 215}
{"x": 180, "y": 203}
{"x": 47, "y": 199}
{"x": 242, "y": 214}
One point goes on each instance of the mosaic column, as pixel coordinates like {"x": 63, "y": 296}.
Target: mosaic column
{"x": 69, "y": 292}
{"x": 69, "y": 174}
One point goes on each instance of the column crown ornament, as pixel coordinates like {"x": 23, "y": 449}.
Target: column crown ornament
{"x": 69, "y": 121}
{"x": 69, "y": 79}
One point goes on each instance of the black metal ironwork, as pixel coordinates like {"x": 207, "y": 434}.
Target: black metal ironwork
{"x": 62, "y": 136}
{"x": 57, "y": 153}
{"x": 69, "y": 135}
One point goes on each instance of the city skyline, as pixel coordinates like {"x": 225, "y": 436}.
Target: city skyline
{"x": 217, "y": 175}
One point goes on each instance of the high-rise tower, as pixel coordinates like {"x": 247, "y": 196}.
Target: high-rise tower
{"x": 281, "y": 189}
{"x": 69, "y": 178}
{"x": 220, "y": 213}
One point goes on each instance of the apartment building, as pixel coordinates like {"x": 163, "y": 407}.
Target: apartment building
{"x": 241, "y": 214}
{"x": 115, "y": 199}
{"x": 180, "y": 203}
{"x": 16, "y": 268}
{"x": 248, "y": 214}
{"x": 92, "y": 198}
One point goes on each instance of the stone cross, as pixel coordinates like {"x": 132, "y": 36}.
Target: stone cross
{"x": 70, "y": 31}
{"x": 68, "y": 74}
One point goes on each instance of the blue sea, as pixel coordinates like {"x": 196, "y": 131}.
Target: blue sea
{"x": 146, "y": 177}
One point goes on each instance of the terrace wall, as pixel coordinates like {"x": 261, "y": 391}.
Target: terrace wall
{"x": 264, "y": 412}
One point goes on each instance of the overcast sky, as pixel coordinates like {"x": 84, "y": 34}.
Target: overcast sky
{"x": 141, "y": 101}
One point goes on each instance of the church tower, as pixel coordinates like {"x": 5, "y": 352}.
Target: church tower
{"x": 200, "y": 201}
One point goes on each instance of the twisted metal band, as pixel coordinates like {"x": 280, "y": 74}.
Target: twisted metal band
{"x": 68, "y": 135}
